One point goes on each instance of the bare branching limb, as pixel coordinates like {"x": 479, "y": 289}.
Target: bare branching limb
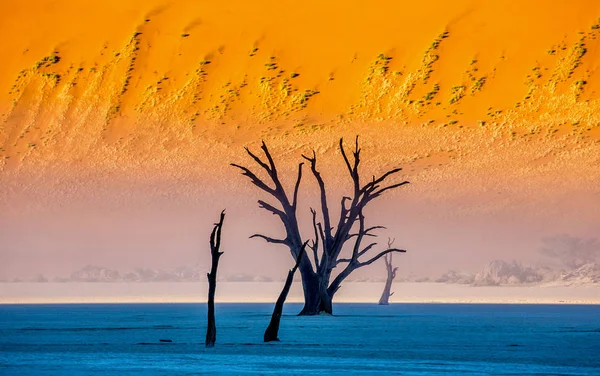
{"x": 380, "y": 255}
{"x": 259, "y": 161}
{"x": 270, "y": 159}
{"x": 361, "y": 234}
{"x": 367, "y": 232}
{"x": 353, "y": 169}
{"x": 318, "y": 234}
{"x": 375, "y": 182}
{"x": 254, "y": 179}
{"x": 366, "y": 249}
{"x": 323, "y": 193}
{"x": 272, "y": 209}
{"x": 381, "y": 191}
{"x": 297, "y": 186}
{"x": 269, "y": 239}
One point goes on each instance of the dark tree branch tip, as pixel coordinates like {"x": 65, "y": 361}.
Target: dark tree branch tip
{"x": 269, "y": 239}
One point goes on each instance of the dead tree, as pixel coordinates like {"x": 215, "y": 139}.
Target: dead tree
{"x": 318, "y": 281}
{"x": 391, "y": 274}
{"x": 215, "y": 245}
{"x": 271, "y": 334}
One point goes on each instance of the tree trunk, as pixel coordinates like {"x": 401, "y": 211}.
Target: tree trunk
{"x": 385, "y": 295}
{"x": 310, "y": 287}
{"x": 317, "y": 299}
{"x": 271, "y": 334}
{"x": 326, "y": 305}
{"x": 391, "y": 274}
{"x": 215, "y": 243}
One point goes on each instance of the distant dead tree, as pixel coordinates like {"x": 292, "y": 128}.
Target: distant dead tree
{"x": 391, "y": 274}
{"x": 272, "y": 332}
{"x": 215, "y": 245}
{"x": 318, "y": 282}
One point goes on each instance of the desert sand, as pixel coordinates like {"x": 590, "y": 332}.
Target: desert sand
{"x": 491, "y": 108}
{"x": 89, "y": 83}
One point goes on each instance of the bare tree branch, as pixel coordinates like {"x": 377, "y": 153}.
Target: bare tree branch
{"x": 258, "y": 160}
{"x": 272, "y": 209}
{"x": 255, "y": 179}
{"x": 366, "y": 249}
{"x": 271, "y": 162}
{"x": 352, "y": 169}
{"x": 269, "y": 239}
{"x": 297, "y": 186}
{"x": 369, "y": 262}
{"x": 315, "y": 245}
{"x": 376, "y": 182}
{"x": 324, "y": 206}
{"x": 367, "y": 231}
{"x": 361, "y": 234}
{"x": 345, "y": 157}
{"x": 380, "y": 192}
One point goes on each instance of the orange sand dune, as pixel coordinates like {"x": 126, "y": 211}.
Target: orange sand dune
{"x": 120, "y": 72}
{"x": 492, "y": 106}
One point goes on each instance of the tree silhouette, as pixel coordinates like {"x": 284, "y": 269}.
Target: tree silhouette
{"x": 318, "y": 281}
{"x": 272, "y": 332}
{"x": 215, "y": 245}
{"x": 391, "y": 274}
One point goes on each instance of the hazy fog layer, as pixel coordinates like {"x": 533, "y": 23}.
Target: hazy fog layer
{"x": 268, "y": 292}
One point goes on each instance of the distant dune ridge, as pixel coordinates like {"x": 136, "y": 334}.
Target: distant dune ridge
{"x": 496, "y": 273}
{"x": 499, "y": 272}
{"x": 185, "y": 273}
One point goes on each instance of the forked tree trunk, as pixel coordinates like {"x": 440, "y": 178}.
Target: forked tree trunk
{"x": 391, "y": 274}
{"x": 272, "y": 332}
{"x": 215, "y": 244}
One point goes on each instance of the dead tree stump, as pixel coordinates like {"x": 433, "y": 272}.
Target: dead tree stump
{"x": 215, "y": 245}
{"x": 273, "y": 329}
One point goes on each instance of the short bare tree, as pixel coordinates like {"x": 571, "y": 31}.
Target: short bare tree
{"x": 391, "y": 274}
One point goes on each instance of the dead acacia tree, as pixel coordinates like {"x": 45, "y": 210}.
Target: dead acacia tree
{"x": 318, "y": 281}
{"x": 215, "y": 245}
{"x": 391, "y": 274}
{"x": 272, "y": 332}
